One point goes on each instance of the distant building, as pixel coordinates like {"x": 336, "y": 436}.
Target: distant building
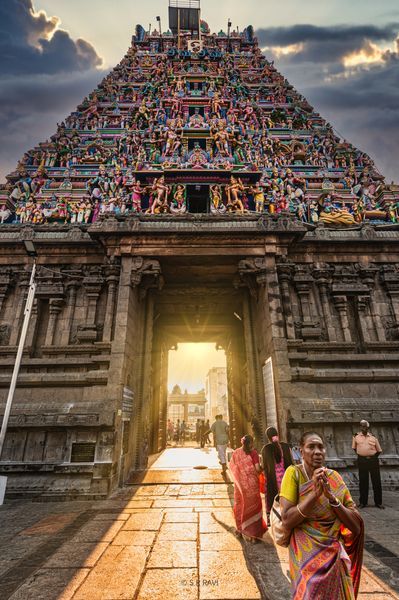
{"x": 216, "y": 392}
{"x": 185, "y": 406}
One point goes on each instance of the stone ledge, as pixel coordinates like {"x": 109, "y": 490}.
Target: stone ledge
{"x": 336, "y": 358}
{"x": 350, "y": 375}
{"x": 96, "y": 349}
{"x": 105, "y": 468}
{"x": 58, "y": 379}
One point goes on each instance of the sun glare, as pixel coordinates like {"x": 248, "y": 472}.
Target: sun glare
{"x": 370, "y": 54}
{"x": 190, "y": 363}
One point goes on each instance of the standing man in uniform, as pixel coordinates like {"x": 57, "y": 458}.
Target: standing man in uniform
{"x": 368, "y": 449}
{"x": 220, "y": 431}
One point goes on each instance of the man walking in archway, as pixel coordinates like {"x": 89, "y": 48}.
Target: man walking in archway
{"x": 220, "y": 431}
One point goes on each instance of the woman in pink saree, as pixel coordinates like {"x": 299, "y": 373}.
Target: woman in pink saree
{"x": 326, "y": 543}
{"x": 245, "y": 468}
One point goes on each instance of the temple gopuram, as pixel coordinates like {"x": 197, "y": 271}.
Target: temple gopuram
{"x": 195, "y": 196}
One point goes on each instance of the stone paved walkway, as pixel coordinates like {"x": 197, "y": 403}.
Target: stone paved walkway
{"x": 164, "y": 542}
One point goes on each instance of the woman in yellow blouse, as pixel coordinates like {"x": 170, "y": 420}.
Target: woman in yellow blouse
{"x": 326, "y": 543}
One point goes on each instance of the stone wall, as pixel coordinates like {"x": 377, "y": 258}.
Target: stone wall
{"x": 323, "y": 304}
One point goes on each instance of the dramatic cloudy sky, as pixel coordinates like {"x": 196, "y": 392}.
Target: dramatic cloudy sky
{"x": 344, "y": 56}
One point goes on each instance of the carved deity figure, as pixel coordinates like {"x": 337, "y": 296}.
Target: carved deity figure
{"x": 178, "y": 204}
{"x": 221, "y": 139}
{"x": 137, "y": 193}
{"x": 216, "y": 105}
{"x": 330, "y": 214}
{"x": 233, "y": 190}
{"x": 160, "y": 193}
{"x": 259, "y": 197}
{"x": 198, "y": 158}
{"x": 173, "y": 142}
{"x": 196, "y": 120}
{"x": 217, "y": 206}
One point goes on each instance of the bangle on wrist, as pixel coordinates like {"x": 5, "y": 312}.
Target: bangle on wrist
{"x": 334, "y": 503}
{"x": 301, "y": 513}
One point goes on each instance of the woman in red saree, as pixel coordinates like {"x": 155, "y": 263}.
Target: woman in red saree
{"x": 245, "y": 468}
{"x": 326, "y": 544}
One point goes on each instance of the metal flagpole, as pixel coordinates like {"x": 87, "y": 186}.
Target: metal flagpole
{"x": 27, "y": 313}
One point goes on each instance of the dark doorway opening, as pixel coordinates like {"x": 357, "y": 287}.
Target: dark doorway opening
{"x": 196, "y": 109}
{"x": 198, "y": 199}
{"x": 201, "y": 142}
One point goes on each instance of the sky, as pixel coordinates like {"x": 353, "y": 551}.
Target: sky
{"x": 189, "y": 365}
{"x": 343, "y": 56}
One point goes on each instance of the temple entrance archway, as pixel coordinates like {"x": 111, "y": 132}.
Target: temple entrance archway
{"x": 201, "y": 301}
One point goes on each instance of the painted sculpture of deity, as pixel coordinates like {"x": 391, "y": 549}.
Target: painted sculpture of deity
{"x": 216, "y": 105}
{"x": 178, "y": 205}
{"x": 233, "y": 190}
{"x": 143, "y": 112}
{"x": 196, "y": 121}
{"x": 172, "y": 142}
{"x": 198, "y": 158}
{"x": 330, "y": 214}
{"x": 222, "y": 139}
{"x": 160, "y": 192}
{"x": 216, "y": 204}
{"x": 259, "y": 197}
{"x": 5, "y": 213}
{"x": 137, "y": 193}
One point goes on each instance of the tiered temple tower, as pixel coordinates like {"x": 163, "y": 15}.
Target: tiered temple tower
{"x": 195, "y": 196}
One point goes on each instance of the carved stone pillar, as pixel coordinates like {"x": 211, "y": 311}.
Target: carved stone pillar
{"x": 3, "y": 293}
{"x": 72, "y": 288}
{"x": 310, "y": 328}
{"x": 92, "y": 284}
{"x": 341, "y": 306}
{"x": 23, "y": 285}
{"x": 362, "y": 305}
{"x": 55, "y": 307}
{"x": 253, "y": 272}
{"x": 368, "y": 276}
{"x": 146, "y": 274}
{"x": 389, "y": 276}
{"x": 30, "y": 336}
{"x": 5, "y": 283}
{"x": 92, "y": 293}
{"x": 285, "y": 275}
{"x": 322, "y": 276}
{"x": 256, "y": 397}
{"x": 112, "y": 278}
{"x": 142, "y": 431}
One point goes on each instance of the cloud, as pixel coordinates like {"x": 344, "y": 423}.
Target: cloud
{"x": 350, "y": 74}
{"x": 31, "y": 42}
{"x": 284, "y": 36}
{"x": 328, "y": 45}
{"x": 31, "y": 107}
{"x": 44, "y": 74}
